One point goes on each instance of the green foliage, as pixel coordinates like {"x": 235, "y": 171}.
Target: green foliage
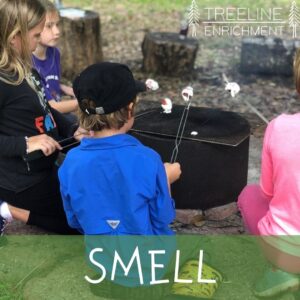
{"x": 169, "y": 5}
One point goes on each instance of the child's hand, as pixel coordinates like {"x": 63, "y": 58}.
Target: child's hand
{"x": 67, "y": 90}
{"x": 173, "y": 171}
{"x": 42, "y": 142}
{"x": 81, "y": 133}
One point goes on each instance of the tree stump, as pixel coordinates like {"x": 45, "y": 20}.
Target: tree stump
{"x": 80, "y": 42}
{"x": 268, "y": 55}
{"x": 166, "y": 53}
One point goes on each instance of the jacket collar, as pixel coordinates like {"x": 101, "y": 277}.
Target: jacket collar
{"x": 114, "y": 141}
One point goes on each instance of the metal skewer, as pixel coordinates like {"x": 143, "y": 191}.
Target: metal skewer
{"x": 187, "y": 95}
{"x": 259, "y": 114}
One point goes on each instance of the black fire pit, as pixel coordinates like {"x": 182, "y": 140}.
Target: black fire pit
{"x": 213, "y": 152}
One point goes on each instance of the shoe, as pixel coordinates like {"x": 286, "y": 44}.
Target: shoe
{"x": 3, "y": 224}
{"x": 275, "y": 282}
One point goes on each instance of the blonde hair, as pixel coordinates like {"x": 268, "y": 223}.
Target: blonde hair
{"x": 114, "y": 120}
{"x": 17, "y": 17}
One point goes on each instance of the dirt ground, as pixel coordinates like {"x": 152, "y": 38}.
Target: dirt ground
{"x": 271, "y": 95}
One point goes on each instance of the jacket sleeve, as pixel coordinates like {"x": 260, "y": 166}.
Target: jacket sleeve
{"x": 11, "y": 146}
{"x": 71, "y": 217}
{"x": 162, "y": 208}
{"x": 266, "y": 177}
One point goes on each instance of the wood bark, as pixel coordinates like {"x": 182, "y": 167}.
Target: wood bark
{"x": 165, "y": 53}
{"x": 80, "y": 43}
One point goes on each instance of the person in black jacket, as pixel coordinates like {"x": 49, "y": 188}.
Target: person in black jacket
{"x": 29, "y": 188}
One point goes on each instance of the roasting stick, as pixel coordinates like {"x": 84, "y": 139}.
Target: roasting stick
{"x": 150, "y": 85}
{"x": 257, "y": 112}
{"x": 187, "y": 94}
{"x": 234, "y": 89}
{"x": 69, "y": 145}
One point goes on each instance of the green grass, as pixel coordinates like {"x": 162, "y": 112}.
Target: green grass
{"x": 53, "y": 267}
{"x": 166, "y": 5}
{"x": 6, "y": 294}
{"x": 169, "y": 5}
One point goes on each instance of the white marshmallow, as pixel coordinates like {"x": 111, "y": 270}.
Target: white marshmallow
{"x": 187, "y": 93}
{"x": 152, "y": 84}
{"x": 166, "y": 105}
{"x": 233, "y": 87}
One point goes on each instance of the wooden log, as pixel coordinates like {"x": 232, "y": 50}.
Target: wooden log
{"x": 268, "y": 55}
{"x": 166, "y": 53}
{"x": 80, "y": 43}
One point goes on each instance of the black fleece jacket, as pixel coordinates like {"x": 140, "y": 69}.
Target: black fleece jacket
{"x": 25, "y": 112}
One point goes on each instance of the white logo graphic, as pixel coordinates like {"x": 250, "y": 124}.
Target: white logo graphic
{"x": 113, "y": 223}
{"x": 243, "y": 21}
{"x": 194, "y": 17}
{"x": 294, "y": 18}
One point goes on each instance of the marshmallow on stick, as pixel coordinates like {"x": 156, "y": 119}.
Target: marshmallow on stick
{"x": 166, "y": 105}
{"x": 234, "y": 89}
{"x": 187, "y": 93}
{"x": 152, "y": 85}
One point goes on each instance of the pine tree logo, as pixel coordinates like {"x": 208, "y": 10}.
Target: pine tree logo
{"x": 294, "y": 18}
{"x": 194, "y": 17}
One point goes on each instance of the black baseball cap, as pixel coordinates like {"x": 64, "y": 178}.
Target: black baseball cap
{"x": 110, "y": 86}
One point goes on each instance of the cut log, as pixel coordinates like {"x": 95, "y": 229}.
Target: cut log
{"x": 165, "y": 53}
{"x": 80, "y": 43}
{"x": 268, "y": 55}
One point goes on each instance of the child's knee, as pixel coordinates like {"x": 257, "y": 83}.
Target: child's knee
{"x": 248, "y": 192}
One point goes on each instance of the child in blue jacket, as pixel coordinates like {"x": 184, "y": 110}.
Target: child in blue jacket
{"x": 111, "y": 183}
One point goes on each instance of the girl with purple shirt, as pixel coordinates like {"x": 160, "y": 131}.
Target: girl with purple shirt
{"x": 46, "y": 60}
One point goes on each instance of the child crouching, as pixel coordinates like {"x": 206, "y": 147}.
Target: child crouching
{"x": 111, "y": 183}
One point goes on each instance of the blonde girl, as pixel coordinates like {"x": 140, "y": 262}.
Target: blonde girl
{"x": 29, "y": 191}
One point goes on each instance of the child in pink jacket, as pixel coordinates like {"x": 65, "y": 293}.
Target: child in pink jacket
{"x": 272, "y": 209}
